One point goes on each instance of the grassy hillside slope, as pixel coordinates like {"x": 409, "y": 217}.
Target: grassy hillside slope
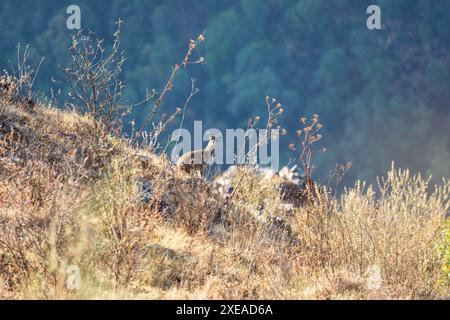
{"x": 74, "y": 196}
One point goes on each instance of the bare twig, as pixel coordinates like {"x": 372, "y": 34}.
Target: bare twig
{"x": 169, "y": 84}
{"x": 311, "y": 135}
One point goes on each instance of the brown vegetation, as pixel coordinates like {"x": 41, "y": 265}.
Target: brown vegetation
{"x": 70, "y": 195}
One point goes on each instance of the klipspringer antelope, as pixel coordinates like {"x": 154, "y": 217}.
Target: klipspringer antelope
{"x": 198, "y": 160}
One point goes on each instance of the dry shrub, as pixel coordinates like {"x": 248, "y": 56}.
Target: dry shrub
{"x": 191, "y": 203}
{"x": 396, "y": 230}
{"x": 95, "y": 77}
{"x": 113, "y": 208}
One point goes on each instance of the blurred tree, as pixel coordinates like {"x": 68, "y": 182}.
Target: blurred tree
{"x": 382, "y": 95}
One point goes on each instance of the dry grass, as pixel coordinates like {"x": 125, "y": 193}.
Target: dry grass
{"x": 71, "y": 195}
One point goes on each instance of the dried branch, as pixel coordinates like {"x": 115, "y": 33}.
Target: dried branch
{"x": 169, "y": 85}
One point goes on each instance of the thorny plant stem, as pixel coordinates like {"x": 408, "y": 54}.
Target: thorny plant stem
{"x": 169, "y": 84}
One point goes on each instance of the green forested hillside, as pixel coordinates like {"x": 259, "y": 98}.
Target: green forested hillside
{"x": 382, "y": 94}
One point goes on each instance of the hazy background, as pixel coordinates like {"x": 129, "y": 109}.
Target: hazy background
{"x": 382, "y": 95}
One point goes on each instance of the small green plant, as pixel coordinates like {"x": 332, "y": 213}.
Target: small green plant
{"x": 443, "y": 253}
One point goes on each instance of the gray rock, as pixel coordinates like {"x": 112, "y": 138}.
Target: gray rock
{"x": 146, "y": 190}
{"x": 282, "y": 231}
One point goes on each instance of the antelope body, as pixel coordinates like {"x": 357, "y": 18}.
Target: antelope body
{"x": 197, "y": 160}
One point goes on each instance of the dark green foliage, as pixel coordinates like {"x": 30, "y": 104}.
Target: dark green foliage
{"x": 382, "y": 95}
